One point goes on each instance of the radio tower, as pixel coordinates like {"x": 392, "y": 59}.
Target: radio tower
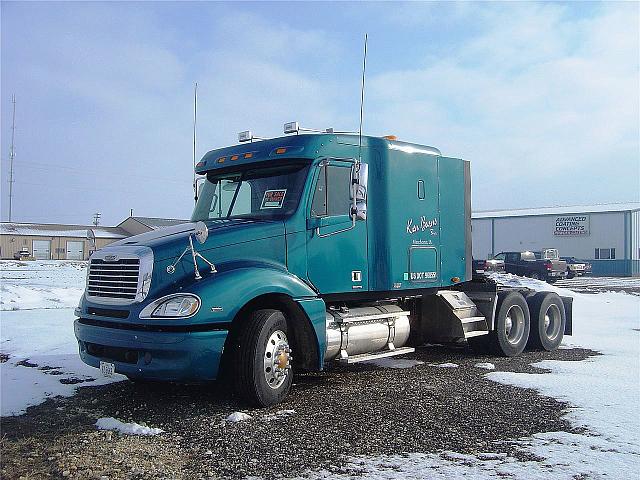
{"x": 96, "y": 218}
{"x": 12, "y": 154}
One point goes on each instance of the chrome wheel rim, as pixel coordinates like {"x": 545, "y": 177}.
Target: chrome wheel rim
{"x": 514, "y": 325}
{"x": 552, "y": 322}
{"x": 277, "y": 359}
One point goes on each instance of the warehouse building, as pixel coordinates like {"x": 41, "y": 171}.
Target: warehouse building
{"x": 70, "y": 242}
{"x": 606, "y": 235}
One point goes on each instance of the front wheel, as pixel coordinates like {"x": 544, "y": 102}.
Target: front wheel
{"x": 548, "y": 319}
{"x": 263, "y": 373}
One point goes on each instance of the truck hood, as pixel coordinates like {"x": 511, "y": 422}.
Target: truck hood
{"x": 169, "y": 242}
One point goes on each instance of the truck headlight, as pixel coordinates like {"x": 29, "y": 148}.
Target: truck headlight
{"x": 179, "y": 305}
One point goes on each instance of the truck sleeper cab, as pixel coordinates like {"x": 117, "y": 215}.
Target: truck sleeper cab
{"x": 302, "y": 250}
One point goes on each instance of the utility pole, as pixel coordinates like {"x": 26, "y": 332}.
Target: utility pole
{"x": 96, "y": 219}
{"x": 12, "y": 154}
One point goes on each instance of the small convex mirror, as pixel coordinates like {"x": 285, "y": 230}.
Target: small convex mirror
{"x": 201, "y": 232}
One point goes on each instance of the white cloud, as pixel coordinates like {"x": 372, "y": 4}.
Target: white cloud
{"x": 545, "y": 106}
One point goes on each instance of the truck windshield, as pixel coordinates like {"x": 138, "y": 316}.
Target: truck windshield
{"x": 261, "y": 193}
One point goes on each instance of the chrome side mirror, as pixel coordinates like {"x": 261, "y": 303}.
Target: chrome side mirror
{"x": 360, "y": 180}
{"x": 201, "y": 232}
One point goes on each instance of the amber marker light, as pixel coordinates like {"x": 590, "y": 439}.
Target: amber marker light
{"x": 234, "y": 157}
{"x": 222, "y": 159}
{"x": 281, "y": 150}
{"x": 390, "y": 137}
{"x": 455, "y": 279}
{"x": 248, "y": 155}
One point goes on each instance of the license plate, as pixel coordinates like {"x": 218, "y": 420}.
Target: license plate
{"x": 107, "y": 369}
{"x": 480, "y": 271}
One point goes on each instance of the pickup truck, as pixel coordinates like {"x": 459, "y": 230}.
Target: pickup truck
{"x": 543, "y": 265}
{"x": 576, "y": 268}
{"x": 480, "y": 267}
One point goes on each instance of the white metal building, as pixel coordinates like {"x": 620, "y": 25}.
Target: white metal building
{"x": 607, "y": 235}
{"x": 69, "y": 242}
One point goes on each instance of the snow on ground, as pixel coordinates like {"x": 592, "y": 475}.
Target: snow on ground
{"x": 393, "y": 362}
{"x": 605, "y": 393}
{"x": 278, "y": 415}
{"x": 237, "y": 417}
{"x": 485, "y": 365}
{"x": 110, "y": 423}
{"x": 41, "y": 284}
{"x": 446, "y": 365}
{"x": 38, "y": 337}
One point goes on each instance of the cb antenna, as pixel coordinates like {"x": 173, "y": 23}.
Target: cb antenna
{"x": 364, "y": 69}
{"x": 195, "y": 124}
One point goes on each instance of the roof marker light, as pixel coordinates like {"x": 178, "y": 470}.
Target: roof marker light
{"x": 234, "y": 157}
{"x": 291, "y": 127}
{"x": 201, "y": 163}
{"x": 248, "y": 155}
{"x": 221, "y": 159}
{"x": 245, "y": 136}
{"x": 281, "y": 150}
{"x": 390, "y": 137}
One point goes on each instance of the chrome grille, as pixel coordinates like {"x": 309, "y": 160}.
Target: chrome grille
{"x": 116, "y": 280}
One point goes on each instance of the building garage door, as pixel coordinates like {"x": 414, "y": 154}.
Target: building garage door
{"x": 42, "y": 249}
{"x": 75, "y": 250}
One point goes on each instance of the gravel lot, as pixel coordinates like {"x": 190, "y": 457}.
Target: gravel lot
{"x": 345, "y": 411}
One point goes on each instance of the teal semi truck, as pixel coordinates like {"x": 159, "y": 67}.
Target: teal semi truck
{"x": 305, "y": 249}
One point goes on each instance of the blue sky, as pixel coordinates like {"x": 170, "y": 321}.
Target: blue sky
{"x": 543, "y": 98}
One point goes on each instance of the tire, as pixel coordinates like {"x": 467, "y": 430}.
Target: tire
{"x": 548, "y": 320}
{"x": 263, "y": 374}
{"x": 512, "y": 325}
{"x": 535, "y": 276}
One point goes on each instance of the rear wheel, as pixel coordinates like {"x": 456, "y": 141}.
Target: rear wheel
{"x": 263, "y": 373}
{"x": 511, "y": 327}
{"x": 548, "y": 319}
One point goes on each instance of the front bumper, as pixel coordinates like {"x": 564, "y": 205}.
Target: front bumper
{"x": 168, "y": 356}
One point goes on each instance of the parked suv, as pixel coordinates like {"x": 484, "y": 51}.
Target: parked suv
{"x": 543, "y": 265}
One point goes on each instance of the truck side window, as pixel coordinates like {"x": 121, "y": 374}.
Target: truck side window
{"x": 332, "y": 192}
{"x": 339, "y": 183}
{"x": 319, "y": 204}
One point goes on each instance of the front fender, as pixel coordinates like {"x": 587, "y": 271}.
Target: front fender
{"x": 224, "y": 293}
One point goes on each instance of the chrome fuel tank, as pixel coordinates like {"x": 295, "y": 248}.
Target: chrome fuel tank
{"x": 365, "y": 330}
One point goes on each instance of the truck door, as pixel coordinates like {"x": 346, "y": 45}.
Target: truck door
{"x": 336, "y": 250}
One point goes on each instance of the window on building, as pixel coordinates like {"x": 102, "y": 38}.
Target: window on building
{"x": 605, "y": 254}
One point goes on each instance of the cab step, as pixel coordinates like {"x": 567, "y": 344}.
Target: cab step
{"x": 474, "y": 326}
{"x": 363, "y": 357}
